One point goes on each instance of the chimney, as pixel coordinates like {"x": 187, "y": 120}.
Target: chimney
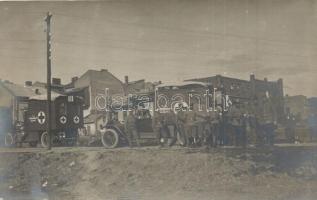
{"x": 280, "y": 86}
{"x": 74, "y": 79}
{"x": 56, "y": 81}
{"x": 104, "y": 70}
{"x": 126, "y": 80}
{"x": 28, "y": 83}
{"x": 37, "y": 91}
{"x": 252, "y": 77}
{"x": 253, "y": 85}
{"x": 280, "y": 82}
{"x": 265, "y": 79}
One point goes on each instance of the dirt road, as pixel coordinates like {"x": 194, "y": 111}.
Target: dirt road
{"x": 284, "y": 172}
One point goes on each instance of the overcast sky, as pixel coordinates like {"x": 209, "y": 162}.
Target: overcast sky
{"x": 164, "y": 40}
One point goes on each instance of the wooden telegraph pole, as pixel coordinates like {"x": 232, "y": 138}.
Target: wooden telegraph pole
{"x": 49, "y": 88}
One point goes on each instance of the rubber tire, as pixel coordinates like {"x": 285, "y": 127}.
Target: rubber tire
{"x": 8, "y": 140}
{"x": 115, "y": 136}
{"x": 44, "y": 143}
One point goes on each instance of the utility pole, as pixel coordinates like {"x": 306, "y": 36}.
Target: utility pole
{"x": 49, "y": 88}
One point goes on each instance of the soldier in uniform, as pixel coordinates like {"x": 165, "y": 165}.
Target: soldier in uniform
{"x": 290, "y": 128}
{"x": 210, "y": 128}
{"x": 312, "y": 124}
{"x": 157, "y": 124}
{"x": 131, "y": 129}
{"x": 191, "y": 129}
{"x": 170, "y": 124}
{"x": 214, "y": 123}
{"x": 223, "y": 127}
{"x": 267, "y": 120}
{"x": 196, "y": 125}
{"x": 180, "y": 122}
{"x": 252, "y": 131}
{"x": 235, "y": 121}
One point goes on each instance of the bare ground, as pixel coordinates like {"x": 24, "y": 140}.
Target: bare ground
{"x": 153, "y": 173}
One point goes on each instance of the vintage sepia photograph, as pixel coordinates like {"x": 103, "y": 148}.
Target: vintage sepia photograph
{"x": 158, "y": 100}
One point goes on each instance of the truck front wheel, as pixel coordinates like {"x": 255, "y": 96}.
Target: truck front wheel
{"x": 44, "y": 140}
{"x": 110, "y": 139}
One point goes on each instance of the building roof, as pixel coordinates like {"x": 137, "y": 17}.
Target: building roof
{"x": 17, "y": 90}
{"x": 136, "y": 82}
{"x": 91, "y": 118}
{"x": 213, "y": 77}
{"x": 73, "y": 90}
{"x": 95, "y": 73}
{"x": 31, "y": 92}
{"x": 54, "y": 96}
{"x": 182, "y": 84}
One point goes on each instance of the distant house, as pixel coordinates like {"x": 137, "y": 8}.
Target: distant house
{"x": 92, "y": 84}
{"x": 135, "y": 86}
{"x": 10, "y": 92}
{"x": 10, "y": 95}
{"x": 138, "y": 86}
{"x": 56, "y": 85}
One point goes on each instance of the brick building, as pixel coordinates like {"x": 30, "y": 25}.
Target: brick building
{"x": 301, "y": 106}
{"x": 249, "y": 90}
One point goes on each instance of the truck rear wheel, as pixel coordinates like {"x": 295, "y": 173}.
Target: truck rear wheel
{"x": 44, "y": 140}
{"x": 8, "y": 140}
{"x": 110, "y": 139}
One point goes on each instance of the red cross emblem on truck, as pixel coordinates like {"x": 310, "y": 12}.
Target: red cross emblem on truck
{"x": 41, "y": 117}
{"x": 63, "y": 119}
{"x": 76, "y": 119}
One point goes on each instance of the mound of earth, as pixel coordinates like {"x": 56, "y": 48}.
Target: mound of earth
{"x": 152, "y": 173}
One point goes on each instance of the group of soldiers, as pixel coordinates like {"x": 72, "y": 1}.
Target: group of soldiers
{"x": 215, "y": 128}
{"x": 237, "y": 126}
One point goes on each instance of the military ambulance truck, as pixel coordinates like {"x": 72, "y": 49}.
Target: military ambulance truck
{"x": 31, "y": 118}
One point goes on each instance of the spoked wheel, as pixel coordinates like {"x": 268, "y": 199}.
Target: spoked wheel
{"x": 110, "y": 139}
{"x": 9, "y": 140}
{"x": 44, "y": 140}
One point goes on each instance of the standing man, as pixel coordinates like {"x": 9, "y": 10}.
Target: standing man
{"x": 157, "y": 124}
{"x": 131, "y": 129}
{"x": 252, "y": 122}
{"x": 267, "y": 119}
{"x": 214, "y": 127}
{"x": 170, "y": 124}
{"x": 235, "y": 121}
{"x": 312, "y": 124}
{"x": 180, "y": 122}
{"x": 223, "y": 128}
{"x": 210, "y": 128}
{"x": 290, "y": 127}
